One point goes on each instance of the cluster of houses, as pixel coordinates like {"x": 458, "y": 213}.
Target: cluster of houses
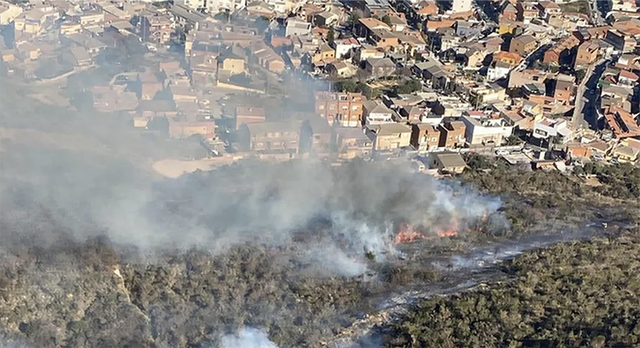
{"x": 480, "y": 77}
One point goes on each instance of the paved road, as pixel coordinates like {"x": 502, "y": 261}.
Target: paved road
{"x": 585, "y": 115}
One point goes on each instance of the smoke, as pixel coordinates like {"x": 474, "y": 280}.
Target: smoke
{"x": 247, "y": 338}
{"x": 337, "y": 213}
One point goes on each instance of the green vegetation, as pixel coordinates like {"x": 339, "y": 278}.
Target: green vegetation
{"x": 331, "y": 36}
{"x": 351, "y": 86}
{"x": 580, "y": 294}
{"x": 408, "y": 87}
{"x": 531, "y": 196}
{"x": 386, "y": 20}
{"x": 581, "y": 6}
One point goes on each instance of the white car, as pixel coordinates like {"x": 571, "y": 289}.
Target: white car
{"x": 502, "y": 152}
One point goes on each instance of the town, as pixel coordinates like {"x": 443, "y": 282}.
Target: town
{"x": 542, "y": 83}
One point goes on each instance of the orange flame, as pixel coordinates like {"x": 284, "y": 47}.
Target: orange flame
{"x": 450, "y": 231}
{"x": 407, "y": 234}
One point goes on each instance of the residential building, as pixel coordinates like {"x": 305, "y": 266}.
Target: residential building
{"x": 564, "y": 92}
{"x": 8, "y": 12}
{"x": 156, "y": 27}
{"x": 447, "y": 162}
{"x": 377, "y": 8}
{"x": 375, "y": 112}
{"x": 78, "y": 57}
{"x": 344, "y": 47}
{"x": 204, "y": 68}
{"x": 389, "y": 136}
{"x": 380, "y": 67}
{"x": 485, "y": 130}
{"x": 272, "y": 137}
{"x": 521, "y": 78}
{"x": 427, "y": 8}
{"x": 509, "y": 13}
{"x": 192, "y": 4}
{"x": 297, "y": 27}
{"x": 352, "y": 143}
{"x": 512, "y": 59}
{"x": 366, "y": 27}
{"x": 249, "y": 115}
{"x": 498, "y": 70}
{"x": 316, "y": 136}
{"x": 149, "y": 84}
{"x": 523, "y": 45}
{"x": 587, "y": 53}
{"x": 452, "y": 134}
{"x": 627, "y": 78}
{"x": 260, "y": 8}
{"x": 432, "y": 71}
{"x": 425, "y": 137}
{"x": 527, "y": 11}
{"x": 187, "y": 15}
{"x": 184, "y": 129}
{"x": 561, "y": 51}
{"x": 342, "y": 109}
{"x": 323, "y": 54}
{"x": 551, "y": 130}
{"x": 627, "y": 151}
{"x": 325, "y": 19}
{"x": 267, "y": 58}
{"x": 549, "y": 9}
{"x": 458, "y": 6}
{"x": 30, "y": 22}
{"x": 217, "y": 6}
{"x": 366, "y": 51}
{"x": 341, "y": 69}
{"x": 621, "y": 40}
{"x": 621, "y": 122}
{"x": 232, "y": 60}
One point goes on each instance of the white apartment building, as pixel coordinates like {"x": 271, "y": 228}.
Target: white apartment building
{"x": 213, "y": 6}
{"x": 486, "y": 131}
{"x": 461, "y": 6}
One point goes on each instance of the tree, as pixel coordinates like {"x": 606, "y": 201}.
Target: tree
{"x": 353, "y": 20}
{"x": 331, "y": 36}
{"x": 408, "y": 87}
{"x": 387, "y": 20}
{"x": 346, "y": 86}
{"x": 261, "y": 23}
{"x": 223, "y": 16}
{"x": 580, "y": 74}
{"x": 513, "y": 140}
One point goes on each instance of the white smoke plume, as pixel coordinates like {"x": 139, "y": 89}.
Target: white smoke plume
{"x": 247, "y": 338}
{"x": 340, "y": 213}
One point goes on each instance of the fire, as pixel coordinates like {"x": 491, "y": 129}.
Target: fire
{"x": 450, "y": 231}
{"x": 447, "y": 233}
{"x": 408, "y": 234}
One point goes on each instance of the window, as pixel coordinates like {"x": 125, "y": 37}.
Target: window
{"x": 332, "y": 106}
{"x": 354, "y": 108}
{"x": 345, "y": 107}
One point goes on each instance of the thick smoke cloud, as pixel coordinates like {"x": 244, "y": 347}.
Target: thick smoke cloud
{"x": 247, "y": 338}
{"x": 338, "y": 213}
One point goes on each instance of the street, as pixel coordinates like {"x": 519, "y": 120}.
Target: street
{"x": 586, "y": 115}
